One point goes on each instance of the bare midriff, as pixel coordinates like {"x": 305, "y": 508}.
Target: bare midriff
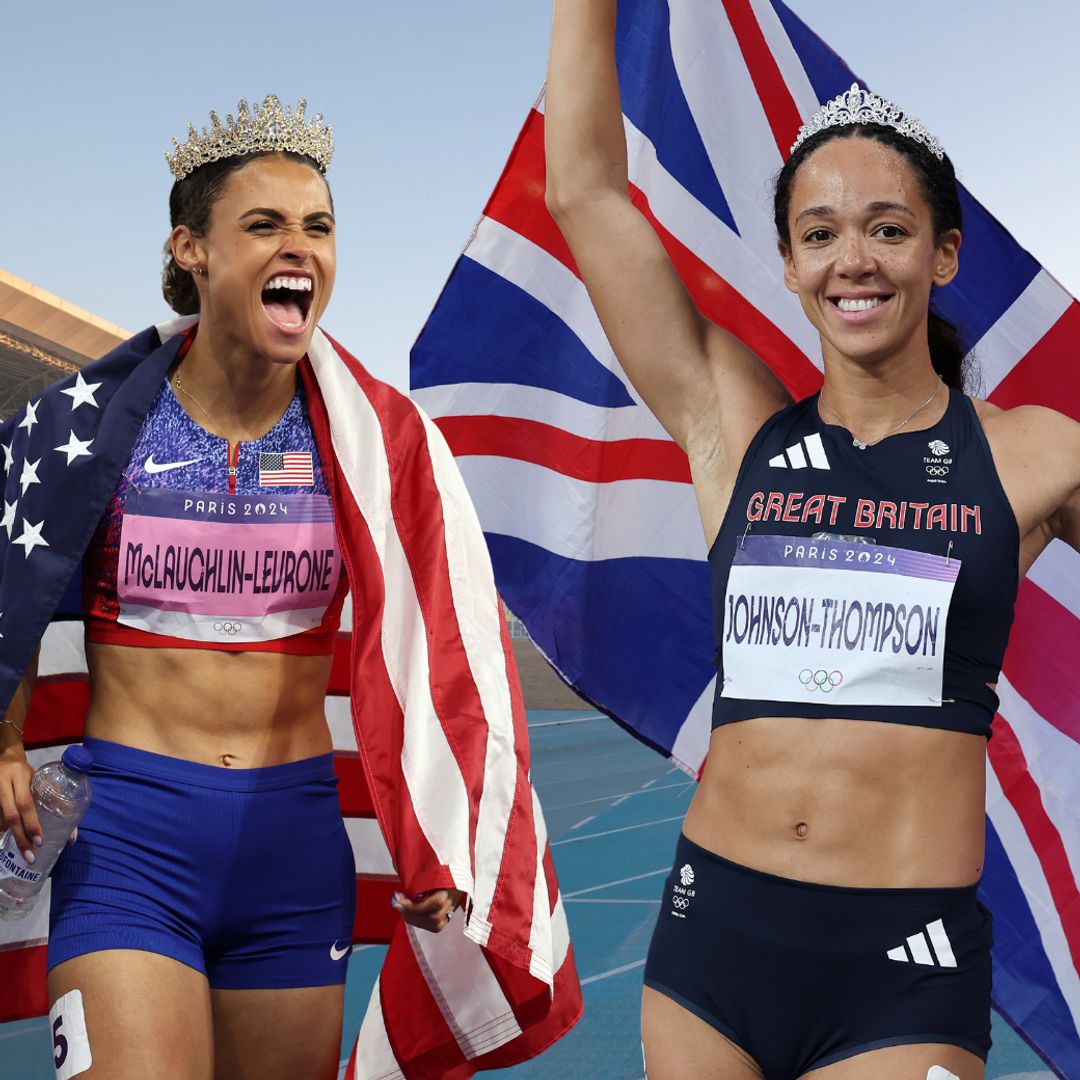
{"x": 844, "y": 802}
{"x": 241, "y": 710}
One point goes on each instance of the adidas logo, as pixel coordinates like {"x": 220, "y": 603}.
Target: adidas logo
{"x": 918, "y": 948}
{"x": 795, "y": 457}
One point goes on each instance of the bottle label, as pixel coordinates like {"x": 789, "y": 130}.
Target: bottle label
{"x": 13, "y": 865}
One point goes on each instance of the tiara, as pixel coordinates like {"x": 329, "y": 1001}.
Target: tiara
{"x": 268, "y": 127}
{"x": 857, "y": 106}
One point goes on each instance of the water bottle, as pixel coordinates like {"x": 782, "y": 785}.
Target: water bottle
{"x": 61, "y": 791}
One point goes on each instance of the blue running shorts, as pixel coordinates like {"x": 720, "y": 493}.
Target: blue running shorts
{"x": 245, "y": 875}
{"x": 801, "y": 975}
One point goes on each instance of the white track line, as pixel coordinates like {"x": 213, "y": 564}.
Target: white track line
{"x": 601, "y": 900}
{"x": 613, "y": 971}
{"x": 571, "y": 720}
{"x": 609, "y": 832}
{"x": 612, "y": 884}
{"x": 620, "y": 798}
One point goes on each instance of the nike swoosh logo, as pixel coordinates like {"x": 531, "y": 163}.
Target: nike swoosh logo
{"x": 152, "y": 466}
{"x": 337, "y": 954}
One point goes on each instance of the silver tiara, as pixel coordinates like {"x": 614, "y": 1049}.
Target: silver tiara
{"x": 858, "y": 106}
{"x": 266, "y": 127}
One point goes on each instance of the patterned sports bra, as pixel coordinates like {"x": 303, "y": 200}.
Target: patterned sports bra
{"x": 209, "y": 546}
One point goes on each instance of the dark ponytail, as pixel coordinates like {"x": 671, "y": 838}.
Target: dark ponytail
{"x": 947, "y": 354}
{"x": 937, "y": 177}
{"x": 190, "y": 203}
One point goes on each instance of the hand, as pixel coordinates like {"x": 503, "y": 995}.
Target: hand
{"x": 429, "y": 911}
{"x": 17, "y": 810}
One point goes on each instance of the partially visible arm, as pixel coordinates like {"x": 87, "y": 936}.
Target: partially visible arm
{"x": 708, "y": 390}
{"x": 17, "y": 810}
{"x": 1037, "y": 455}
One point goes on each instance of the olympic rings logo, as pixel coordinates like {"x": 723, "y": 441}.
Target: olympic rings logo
{"x": 681, "y": 902}
{"x": 825, "y": 681}
{"x": 937, "y": 470}
{"x": 229, "y": 628}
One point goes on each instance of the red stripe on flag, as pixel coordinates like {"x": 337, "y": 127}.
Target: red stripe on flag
{"x": 564, "y": 1013}
{"x": 353, "y": 792}
{"x": 57, "y": 710}
{"x": 780, "y": 108}
{"x": 1048, "y": 374}
{"x": 23, "y": 989}
{"x": 420, "y": 1037}
{"x": 583, "y": 459}
{"x": 726, "y": 307}
{"x": 518, "y": 203}
{"x": 512, "y": 907}
{"x": 339, "y": 666}
{"x": 1010, "y": 766}
{"x": 518, "y": 199}
{"x": 381, "y": 757}
{"x": 1048, "y": 678}
{"x": 416, "y": 505}
{"x": 376, "y": 921}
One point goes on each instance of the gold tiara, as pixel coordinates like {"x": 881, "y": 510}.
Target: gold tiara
{"x": 268, "y": 128}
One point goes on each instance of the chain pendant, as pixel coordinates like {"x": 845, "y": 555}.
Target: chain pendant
{"x": 858, "y": 443}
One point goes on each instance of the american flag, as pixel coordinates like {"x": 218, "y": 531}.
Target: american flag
{"x": 587, "y": 505}
{"x": 425, "y": 706}
{"x": 292, "y": 467}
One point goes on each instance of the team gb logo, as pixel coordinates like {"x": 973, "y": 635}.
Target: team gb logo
{"x": 939, "y": 448}
{"x": 686, "y": 875}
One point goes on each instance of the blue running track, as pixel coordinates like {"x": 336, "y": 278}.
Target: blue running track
{"x": 613, "y": 812}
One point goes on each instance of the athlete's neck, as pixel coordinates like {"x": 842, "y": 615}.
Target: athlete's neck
{"x": 237, "y": 393}
{"x": 873, "y": 395}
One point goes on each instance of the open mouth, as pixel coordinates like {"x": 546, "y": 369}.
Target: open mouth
{"x": 287, "y": 301}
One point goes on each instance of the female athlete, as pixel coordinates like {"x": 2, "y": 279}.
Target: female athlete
{"x": 204, "y": 916}
{"x": 821, "y": 917}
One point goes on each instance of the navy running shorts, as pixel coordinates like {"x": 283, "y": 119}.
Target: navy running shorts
{"x": 801, "y": 975}
{"x": 245, "y": 875}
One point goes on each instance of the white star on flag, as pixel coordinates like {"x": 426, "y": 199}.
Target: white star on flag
{"x": 30, "y": 419}
{"x": 75, "y": 448}
{"x": 31, "y": 536}
{"x": 9, "y": 458}
{"x": 29, "y": 474}
{"x": 82, "y": 393}
{"x": 9, "y": 516}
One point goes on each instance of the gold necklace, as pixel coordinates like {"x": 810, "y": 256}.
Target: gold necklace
{"x": 855, "y": 441}
{"x": 177, "y": 385}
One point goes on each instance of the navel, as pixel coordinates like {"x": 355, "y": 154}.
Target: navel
{"x": 802, "y": 831}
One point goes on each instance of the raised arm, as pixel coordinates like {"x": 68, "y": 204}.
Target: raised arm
{"x": 709, "y": 391}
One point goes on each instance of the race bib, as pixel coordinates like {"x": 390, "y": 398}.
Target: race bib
{"x": 211, "y": 567}
{"x": 823, "y": 620}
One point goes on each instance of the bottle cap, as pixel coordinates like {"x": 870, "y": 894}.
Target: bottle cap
{"x": 78, "y": 758}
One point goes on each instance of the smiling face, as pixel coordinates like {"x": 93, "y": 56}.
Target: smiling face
{"x": 268, "y": 258}
{"x": 863, "y": 252}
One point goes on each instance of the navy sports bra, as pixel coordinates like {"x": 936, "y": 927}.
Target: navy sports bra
{"x": 872, "y": 584}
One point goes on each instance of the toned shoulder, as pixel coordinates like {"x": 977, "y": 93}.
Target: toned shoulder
{"x": 1033, "y": 426}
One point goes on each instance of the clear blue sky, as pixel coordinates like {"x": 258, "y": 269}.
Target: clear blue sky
{"x": 426, "y": 98}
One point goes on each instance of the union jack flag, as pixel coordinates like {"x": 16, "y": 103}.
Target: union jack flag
{"x": 431, "y": 745}
{"x": 587, "y": 505}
